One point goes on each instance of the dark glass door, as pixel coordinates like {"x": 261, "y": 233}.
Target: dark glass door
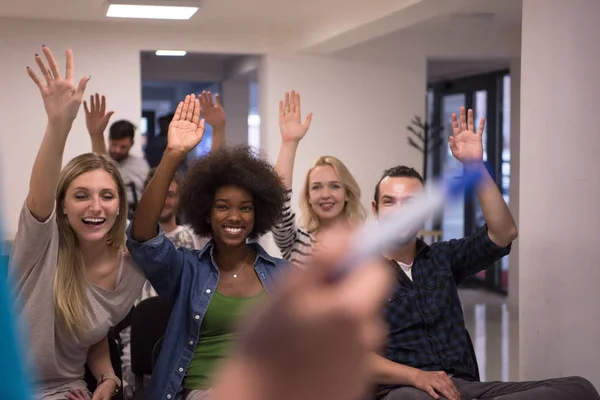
{"x": 486, "y": 95}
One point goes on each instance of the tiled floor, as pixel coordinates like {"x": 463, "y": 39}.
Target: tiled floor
{"x": 494, "y": 329}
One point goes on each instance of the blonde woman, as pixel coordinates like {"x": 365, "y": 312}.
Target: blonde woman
{"x": 71, "y": 274}
{"x": 330, "y": 198}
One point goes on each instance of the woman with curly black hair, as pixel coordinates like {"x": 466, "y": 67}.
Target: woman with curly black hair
{"x": 230, "y": 195}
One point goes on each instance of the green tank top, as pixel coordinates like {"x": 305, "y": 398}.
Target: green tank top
{"x": 216, "y": 336}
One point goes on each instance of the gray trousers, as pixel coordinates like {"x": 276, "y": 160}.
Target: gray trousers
{"x": 571, "y": 388}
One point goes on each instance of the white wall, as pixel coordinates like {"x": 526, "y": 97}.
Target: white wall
{"x": 559, "y": 190}
{"x": 109, "y": 53}
{"x": 360, "y": 110}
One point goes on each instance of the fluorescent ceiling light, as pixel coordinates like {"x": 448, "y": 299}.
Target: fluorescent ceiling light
{"x": 150, "y": 12}
{"x": 171, "y": 53}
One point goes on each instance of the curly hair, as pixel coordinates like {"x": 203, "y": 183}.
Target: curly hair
{"x": 238, "y": 166}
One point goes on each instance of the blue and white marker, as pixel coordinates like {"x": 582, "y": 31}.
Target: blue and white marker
{"x": 399, "y": 226}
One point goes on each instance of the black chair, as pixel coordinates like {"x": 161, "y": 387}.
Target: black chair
{"x": 149, "y": 322}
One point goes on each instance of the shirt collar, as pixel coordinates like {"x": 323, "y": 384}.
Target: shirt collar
{"x": 258, "y": 249}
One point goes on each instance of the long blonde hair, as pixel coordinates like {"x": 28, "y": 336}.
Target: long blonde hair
{"x": 354, "y": 212}
{"x": 69, "y": 280}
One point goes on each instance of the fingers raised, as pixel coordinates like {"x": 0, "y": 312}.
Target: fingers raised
{"x": 470, "y": 124}
{"x": 178, "y": 112}
{"x": 35, "y": 78}
{"x": 196, "y": 113}
{"x": 455, "y": 126}
{"x": 102, "y": 104}
{"x": 293, "y": 102}
{"x": 281, "y": 112}
{"x": 463, "y": 119}
{"x": 297, "y": 104}
{"x": 186, "y": 106}
{"x": 51, "y": 62}
{"x": 81, "y": 87}
{"x": 43, "y": 69}
{"x": 481, "y": 126}
{"x": 70, "y": 65}
{"x": 286, "y": 103}
{"x": 308, "y": 120}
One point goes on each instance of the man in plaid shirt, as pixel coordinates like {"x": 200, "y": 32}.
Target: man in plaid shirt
{"x": 428, "y": 354}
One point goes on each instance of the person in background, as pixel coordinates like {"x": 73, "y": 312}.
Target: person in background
{"x": 133, "y": 169}
{"x": 228, "y": 195}
{"x": 73, "y": 279}
{"x": 330, "y": 198}
{"x": 428, "y": 354}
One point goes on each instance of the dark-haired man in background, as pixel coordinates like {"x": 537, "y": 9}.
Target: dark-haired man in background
{"x": 134, "y": 169}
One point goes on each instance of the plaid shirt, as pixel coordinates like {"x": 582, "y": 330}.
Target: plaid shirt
{"x": 424, "y": 317}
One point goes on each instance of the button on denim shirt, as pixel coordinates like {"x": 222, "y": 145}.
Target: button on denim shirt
{"x": 187, "y": 279}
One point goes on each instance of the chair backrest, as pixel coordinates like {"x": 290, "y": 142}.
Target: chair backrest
{"x": 430, "y": 236}
{"x": 148, "y": 325}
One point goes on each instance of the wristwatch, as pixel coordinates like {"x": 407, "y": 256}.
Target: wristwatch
{"x": 112, "y": 377}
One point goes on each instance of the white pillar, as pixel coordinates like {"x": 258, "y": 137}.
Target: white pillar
{"x": 559, "y": 252}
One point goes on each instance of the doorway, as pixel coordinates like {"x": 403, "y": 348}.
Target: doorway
{"x": 489, "y": 96}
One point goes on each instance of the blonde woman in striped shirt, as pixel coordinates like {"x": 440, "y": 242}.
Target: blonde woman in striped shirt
{"x": 330, "y": 198}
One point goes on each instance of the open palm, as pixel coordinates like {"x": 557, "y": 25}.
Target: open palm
{"x": 96, "y": 117}
{"x": 290, "y": 122}
{"x": 186, "y": 128}
{"x": 62, "y": 99}
{"x": 211, "y": 110}
{"x": 466, "y": 144}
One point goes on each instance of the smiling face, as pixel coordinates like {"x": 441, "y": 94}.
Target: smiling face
{"x": 91, "y": 205}
{"x": 326, "y": 194}
{"x": 232, "y": 215}
{"x": 395, "y": 192}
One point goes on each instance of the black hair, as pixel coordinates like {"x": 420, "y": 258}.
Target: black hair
{"x": 121, "y": 129}
{"x": 399, "y": 171}
{"x": 237, "y": 166}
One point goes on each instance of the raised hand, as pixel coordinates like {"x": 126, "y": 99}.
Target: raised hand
{"x": 61, "y": 97}
{"x": 290, "y": 123}
{"x": 186, "y": 128}
{"x": 212, "y": 111}
{"x": 466, "y": 144}
{"x": 96, "y": 117}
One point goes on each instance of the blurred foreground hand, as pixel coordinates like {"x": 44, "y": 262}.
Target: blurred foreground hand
{"x": 313, "y": 339}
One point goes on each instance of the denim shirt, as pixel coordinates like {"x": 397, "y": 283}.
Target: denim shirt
{"x": 187, "y": 279}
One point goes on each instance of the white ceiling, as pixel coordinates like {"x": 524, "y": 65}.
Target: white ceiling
{"x": 224, "y": 15}
{"x": 293, "y": 21}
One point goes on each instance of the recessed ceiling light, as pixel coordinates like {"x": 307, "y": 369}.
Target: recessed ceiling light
{"x": 178, "y": 53}
{"x": 150, "y": 12}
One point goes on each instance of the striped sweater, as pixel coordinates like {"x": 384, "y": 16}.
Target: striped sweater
{"x": 294, "y": 242}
